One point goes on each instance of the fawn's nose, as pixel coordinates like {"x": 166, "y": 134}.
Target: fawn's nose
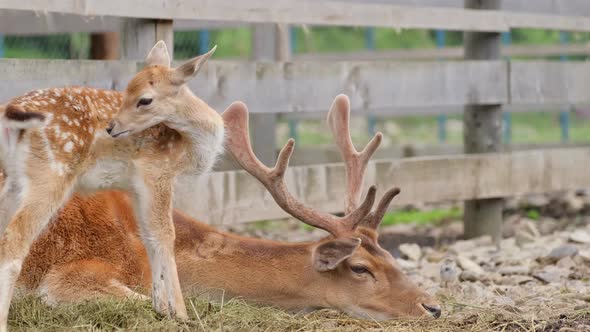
{"x": 110, "y": 127}
{"x": 433, "y": 309}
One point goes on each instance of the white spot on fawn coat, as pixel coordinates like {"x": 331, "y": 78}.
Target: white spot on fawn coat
{"x": 68, "y": 146}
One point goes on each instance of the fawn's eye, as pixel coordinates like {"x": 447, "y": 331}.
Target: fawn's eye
{"x": 144, "y": 102}
{"x": 359, "y": 269}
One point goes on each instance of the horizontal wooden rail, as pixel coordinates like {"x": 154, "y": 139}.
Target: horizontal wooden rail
{"x": 16, "y": 22}
{"x": 308, "y": 155}
{"x": 554, "y": 7}
{"x": 310, "y": 12}
{"x": 387, "y": 88}
{"x": 236, "y": 197}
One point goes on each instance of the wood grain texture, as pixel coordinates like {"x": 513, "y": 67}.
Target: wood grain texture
{"x": 289, "y": 86}
{"x": 543, "y": 82}
{"x": 482, "y": 129}
{"x": 319, "y": 13}
{"x": 382, "y": 88}
{"x": 16, "y": 22}
{"x": 554, "y": 7}
{"x": 236, "y": 197}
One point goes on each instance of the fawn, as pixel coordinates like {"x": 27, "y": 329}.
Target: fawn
{"x": 347, "y": 270}
{"x": 64, "y": 140}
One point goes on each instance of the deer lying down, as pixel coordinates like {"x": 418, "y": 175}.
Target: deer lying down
{"x": 94, "y": 247}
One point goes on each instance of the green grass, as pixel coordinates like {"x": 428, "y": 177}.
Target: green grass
{"x": 25, "y": 53}
{"x": 417, "y": 217}
{"x": 533, "y": 214}
{"x": 421, "y": 217}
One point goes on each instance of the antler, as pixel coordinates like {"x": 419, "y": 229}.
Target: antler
{"x": 356, "y": 162}
{"x": 238, "y": 143}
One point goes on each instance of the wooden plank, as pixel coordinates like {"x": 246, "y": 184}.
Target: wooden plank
{"x": 383, "y": 88}
{"x": 267, "y": 45}
{"x": 482, "y": 126}
{"x": 274, "y": 11}
{"x": 15, "y": 22}
{"x": 236, "y": 197}
{"x": 19, "y": 76}
{"x": 44, "y": 22}
{"x": 104, "y": 46}
{"x": 540, "y": 82}
{"x": 322, "y": 13}
{"x": 553, "y": 7}
{"x": 309, "y": 155}
{"x": 289, "y": 87}
{"x": 137, "y": 38}
{"x": 302, "y": 87}
{"x": 445, "y": 53}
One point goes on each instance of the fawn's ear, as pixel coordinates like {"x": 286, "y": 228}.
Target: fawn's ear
{"x": 328, "y": 255}
{"x": 158, "y": 55}
{"x": 189, "y": 69}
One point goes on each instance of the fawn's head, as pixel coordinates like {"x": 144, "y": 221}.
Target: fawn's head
{"x": 152, "y": 95}
{"x": 357, "y": 275}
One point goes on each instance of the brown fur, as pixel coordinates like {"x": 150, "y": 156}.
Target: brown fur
{"x": 45, "y": 162}
{"x": 16, "y": 113}
{"x": 94, "y": 249}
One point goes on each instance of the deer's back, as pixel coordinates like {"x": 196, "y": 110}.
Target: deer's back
{"x": 102, "y": 227}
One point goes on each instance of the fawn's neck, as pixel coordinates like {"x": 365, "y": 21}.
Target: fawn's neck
{"x": 193, "y": 116}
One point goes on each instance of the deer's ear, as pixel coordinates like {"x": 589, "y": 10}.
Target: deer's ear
{"x": 189, "y": 69}
{"x": 158, "y": 55}
{"x": 328, "y": 255}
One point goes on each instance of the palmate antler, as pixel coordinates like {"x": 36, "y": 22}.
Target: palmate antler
{"x": 238, "y": 143}
{"x": 356, "y": 162}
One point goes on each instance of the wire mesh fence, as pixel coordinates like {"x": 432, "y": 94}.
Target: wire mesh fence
{"x": 77, "y": 45}
{"x": 236, "y": 42}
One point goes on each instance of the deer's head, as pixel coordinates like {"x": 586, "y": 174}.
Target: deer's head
{"x": 357, "y": 275}
{"x": 154, "y": 95}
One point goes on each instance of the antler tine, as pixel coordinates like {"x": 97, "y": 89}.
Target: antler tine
{"x": 238, "y": 143}
{"x": 355, "y": 162}
{"x": 373, "y": 219}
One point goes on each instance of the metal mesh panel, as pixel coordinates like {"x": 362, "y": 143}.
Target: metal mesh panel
{"x": 62, "y": 46}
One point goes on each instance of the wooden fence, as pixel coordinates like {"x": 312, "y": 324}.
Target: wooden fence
{"x": 271, "y": 85}
{"x": 374, "y": 87}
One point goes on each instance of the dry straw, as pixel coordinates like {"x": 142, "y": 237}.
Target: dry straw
{"x": 30, "y": 314}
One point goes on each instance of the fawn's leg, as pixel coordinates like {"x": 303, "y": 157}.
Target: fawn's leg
{"x": 153, "y": 208}
{"x": 9, "y": 201}
{"x": 84, "y": 280}
{"x": 39, "y": 205}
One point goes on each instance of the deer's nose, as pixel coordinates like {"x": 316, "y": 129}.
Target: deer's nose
{"x": 110, "y": 127}
{"x": 433, "y": 309}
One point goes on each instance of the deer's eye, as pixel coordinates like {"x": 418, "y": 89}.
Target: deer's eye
{"x": 359, "y": 269}
{"x": 144, "y": 102}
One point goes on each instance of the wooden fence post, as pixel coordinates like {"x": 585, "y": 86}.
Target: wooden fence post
{"x": 482, "y": 130}
{"x": 104, "y": 46}
{"x": 140, "y": 35}
{"x": 270, "y": 42}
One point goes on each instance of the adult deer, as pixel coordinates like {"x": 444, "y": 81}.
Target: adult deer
{"x": 93, "y": 248}
{"x": 54, "y": 143}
